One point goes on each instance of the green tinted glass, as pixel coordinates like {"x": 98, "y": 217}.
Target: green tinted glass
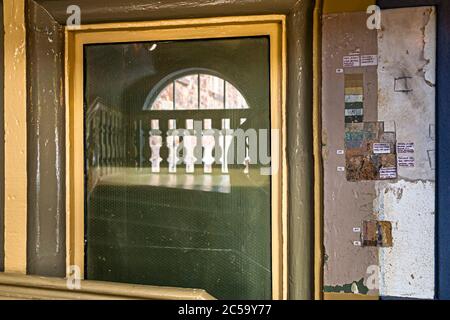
{"x": 174, "y": 197}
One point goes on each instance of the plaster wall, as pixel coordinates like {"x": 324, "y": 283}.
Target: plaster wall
{"x": 407, "y": 269}
{"x": 346, "y": 204}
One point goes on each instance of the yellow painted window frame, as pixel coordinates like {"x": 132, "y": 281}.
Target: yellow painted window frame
{"x": 273, "y": 26}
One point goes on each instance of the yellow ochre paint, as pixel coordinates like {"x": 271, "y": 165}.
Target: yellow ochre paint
{"x": 15, "y": 137}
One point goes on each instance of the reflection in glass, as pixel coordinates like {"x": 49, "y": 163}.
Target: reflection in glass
{"x": 211, "y": 92}
{"x": 186, "y": 93}
{"x": 234, "y": 99}
{"x": 167, "y": 203}
{"x": 165, "y": 101}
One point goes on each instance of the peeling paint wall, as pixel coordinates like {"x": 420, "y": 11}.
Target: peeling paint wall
{"x": 346, "y": 204}
{"x": 382, "y": 173}
{"x": 407, "y": 269}
{"x": 46, "y": 247}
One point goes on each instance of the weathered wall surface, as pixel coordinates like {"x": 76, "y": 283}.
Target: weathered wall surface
{"x": 442, "y": 129}
{"x": 346, "y": 204}
{"x": 46, "y": 155}
{"x": 299, "y": 125}
{"x": 384, "y": 174}
{"x": 407, "y": 269}
{"x": 45, "y": 42}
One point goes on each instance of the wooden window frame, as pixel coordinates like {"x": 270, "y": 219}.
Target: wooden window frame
{"x": 273, "y": 26}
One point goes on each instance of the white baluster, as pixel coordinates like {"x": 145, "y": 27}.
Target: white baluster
{"x": 190, "y": 142}
{"x": 173, "y": 142}
{"x": 208, "y": 144}
{"x": 155, "y": 146}
{"x": 247, "y": 159}
{"x": 225, "y": 142}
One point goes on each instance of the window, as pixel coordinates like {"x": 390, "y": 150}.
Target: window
{"x": 171, "y": 197}
{"x": 197, "y": 91}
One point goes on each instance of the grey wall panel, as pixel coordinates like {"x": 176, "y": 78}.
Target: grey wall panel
{"x": 46, "y": 139}
{"x": 300, "y": 151}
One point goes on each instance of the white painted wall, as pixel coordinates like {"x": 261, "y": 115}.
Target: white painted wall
{"x": 407, "y": 48}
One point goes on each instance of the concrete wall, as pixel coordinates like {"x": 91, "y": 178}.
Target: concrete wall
{"x": 346, "y": 204}
{"x": 399, "y": 98}
{"x": 407, "y": 269}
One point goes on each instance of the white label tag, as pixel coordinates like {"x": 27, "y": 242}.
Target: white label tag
{"x": 354, "y": 98}
{"x": 388, "y": 173}
{"x": 381, "y": 148}
{"x": 369, "y": 60}
{"x": 354, "y": 112}
{"x": 405, "y": 147}
{"x": 406, "y": 162}
{"x": 352, "y": 61}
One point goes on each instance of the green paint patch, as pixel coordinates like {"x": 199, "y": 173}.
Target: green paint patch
{"x": 347, "y": 288}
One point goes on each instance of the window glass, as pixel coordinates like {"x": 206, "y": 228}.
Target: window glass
{"x": 174, "y": 196}
{"x": 186, "y": 93}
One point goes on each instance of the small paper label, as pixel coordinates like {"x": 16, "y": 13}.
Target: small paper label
{"x": 339, "y": 70}
{"x": 406, "y": 162}
{"x": 340, "y": 169}
{"x": 354, "y": 98}
{"x": 381, "y": 148}
{"x": 405, "y": 147}
{"x": 352, "y": 61}
{"x": 357, "y": 243}
{"x": 354, "y": 112}
{"x": 340, "y": 152}
{"x": 356, "y": 230}
{"x": 369, "y": 60}
{"x": 388, "y": 173}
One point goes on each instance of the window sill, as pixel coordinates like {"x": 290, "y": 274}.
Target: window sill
{"x": 21, "y": 287}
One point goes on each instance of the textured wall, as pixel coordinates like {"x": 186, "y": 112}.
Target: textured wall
{"x": 346, "y": 204}
{"x": 442, "y": 129}
{"x": 299, "y": 124}
{"x": 46, "y": 250}
{"x": 399, "y": 95}
{"x": 407, "y": 269}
